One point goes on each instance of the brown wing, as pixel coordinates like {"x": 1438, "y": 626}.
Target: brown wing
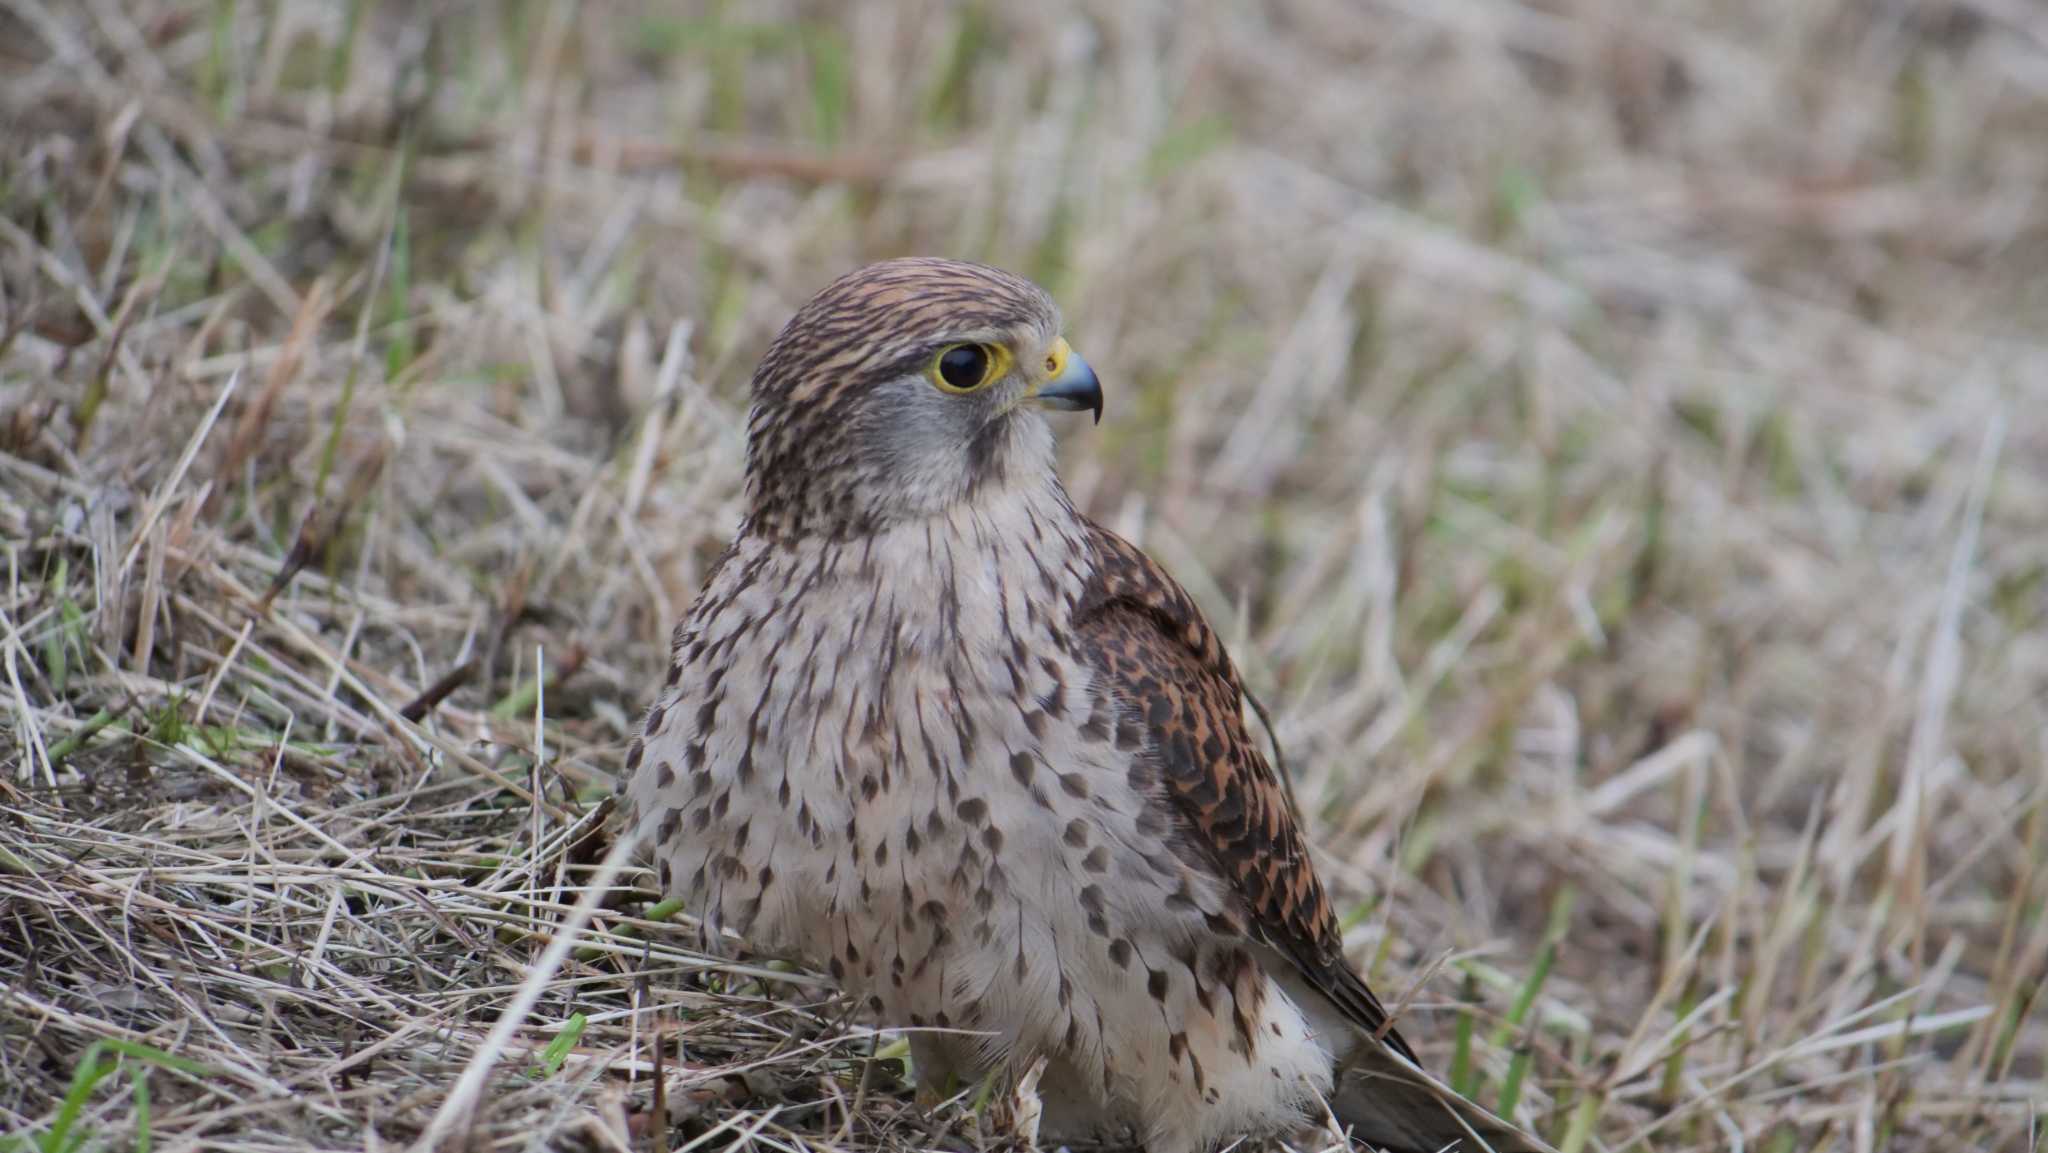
{"x": 1145, "y": 635}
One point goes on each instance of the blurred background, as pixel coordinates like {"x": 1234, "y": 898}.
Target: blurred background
{"x": 1613, "y": 437}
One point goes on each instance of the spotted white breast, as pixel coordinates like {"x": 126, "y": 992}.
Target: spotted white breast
{"x": 884, "y": 755}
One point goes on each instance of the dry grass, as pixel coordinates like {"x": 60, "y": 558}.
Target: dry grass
{"x": 1617, "y": 439}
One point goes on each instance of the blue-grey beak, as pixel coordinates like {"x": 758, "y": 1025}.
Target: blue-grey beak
{"x": 1071, "y": 386}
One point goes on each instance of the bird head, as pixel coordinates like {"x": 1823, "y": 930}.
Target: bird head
{"x": 903, "y": 389}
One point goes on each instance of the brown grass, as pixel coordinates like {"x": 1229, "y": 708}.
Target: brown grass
{"x": 1614, "y": 436}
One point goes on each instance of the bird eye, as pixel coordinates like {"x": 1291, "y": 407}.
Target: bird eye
{"x": 966, "y": 367}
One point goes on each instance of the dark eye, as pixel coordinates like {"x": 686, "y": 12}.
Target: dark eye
{"x": 964, "y": 367}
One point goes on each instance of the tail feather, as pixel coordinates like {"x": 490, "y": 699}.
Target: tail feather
{"x": 1391, "y": 1105}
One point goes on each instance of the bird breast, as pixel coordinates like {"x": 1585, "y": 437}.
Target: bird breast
{"x": 883, "y": 754}
{"x": 887, "y": 756}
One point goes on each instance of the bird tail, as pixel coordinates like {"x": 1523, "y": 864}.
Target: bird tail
{"x": 1391, "y": 1104}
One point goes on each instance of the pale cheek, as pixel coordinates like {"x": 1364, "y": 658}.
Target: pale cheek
{"x": 921, "y": 451}
{"x": 1031, "y": 444}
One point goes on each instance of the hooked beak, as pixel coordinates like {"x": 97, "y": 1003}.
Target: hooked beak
{"x": 1070, "y": 385}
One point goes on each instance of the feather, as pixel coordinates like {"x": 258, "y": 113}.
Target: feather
{"x": 1390, "y": 1104}
{"x": 1150, "y": 641}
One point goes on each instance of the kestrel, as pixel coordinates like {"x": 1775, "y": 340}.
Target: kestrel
{"x": 932, "y": 729}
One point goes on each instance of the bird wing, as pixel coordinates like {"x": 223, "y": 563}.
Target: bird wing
{"x": 1152, "y": 644}
{"x": 1145, "y": 636}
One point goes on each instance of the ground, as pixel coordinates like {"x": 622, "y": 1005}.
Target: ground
{"x": 1613, "y": 439}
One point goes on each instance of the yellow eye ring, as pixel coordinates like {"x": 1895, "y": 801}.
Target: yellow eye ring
{"x": 964, "y": 368}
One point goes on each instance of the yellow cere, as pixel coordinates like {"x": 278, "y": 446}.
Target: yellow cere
{"x": 1056, "y": 359}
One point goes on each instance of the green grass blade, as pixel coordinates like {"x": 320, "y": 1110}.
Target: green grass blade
{"x": 141, "y": 1091}
{"x": 158, "y": 1057}
{"x": 398, "y": 294}
{"x": 831, "y": 85}
{"x": 92, "y": 1068}
{"x": 56, "y": 656}
{"x": 341, "y": 63}
{"x": 1460, "y": 1076}
{"x": 1580, "y": 1129}
{"x": 1560, "y": 919}
{"x": 1511, "y": 1087}
{"x": 551, "y": 1058}
{"x": 77, "y": 740}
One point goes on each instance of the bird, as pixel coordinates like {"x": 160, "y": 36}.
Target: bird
{"x": 931, "y": 729}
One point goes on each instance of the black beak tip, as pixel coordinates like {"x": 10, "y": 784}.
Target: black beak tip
{"x": 1082, "y": 393}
